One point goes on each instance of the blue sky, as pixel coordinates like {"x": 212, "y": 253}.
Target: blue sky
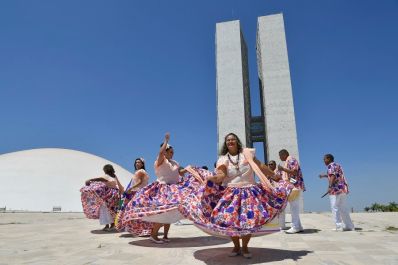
{"x": 110, "y": 78}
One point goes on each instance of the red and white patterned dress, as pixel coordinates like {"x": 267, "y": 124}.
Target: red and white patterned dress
{"x": 134, "y": 227}
{"x": 96, "y": 194}
{"x": 159, "y": 201}
{"x": 238, "y": 207}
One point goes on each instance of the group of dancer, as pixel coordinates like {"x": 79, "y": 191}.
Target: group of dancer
{"x": 226, "y": 202}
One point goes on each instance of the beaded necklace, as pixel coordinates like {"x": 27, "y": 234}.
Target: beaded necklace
{"x": 235, "y": 164}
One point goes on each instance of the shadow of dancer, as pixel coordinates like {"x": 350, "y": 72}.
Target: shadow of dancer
{"x": 215, "y": 256}
{"x": 100, "y": 231}
{"x": 179, "y": 242}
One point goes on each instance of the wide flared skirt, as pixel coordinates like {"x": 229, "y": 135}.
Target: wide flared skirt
{"x": 134, "y": 227}
{"x": 159, "y": 202}
{"x": 96, "y": 194}
{"x": 236, "y": 211}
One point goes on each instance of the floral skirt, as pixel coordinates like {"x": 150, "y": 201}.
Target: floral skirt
{"x": 96, "y": 194}
{"x": 159, "y": 202}
{"x": 134, "y": 227}
{"x": 236, "y": 211}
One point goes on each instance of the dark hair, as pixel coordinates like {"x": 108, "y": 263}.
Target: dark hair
{"x": 135, "y": 163}
{"x": 205, "y": 167}
{"x": 272, "y": 162}
{"x": 283, "y": 152}
{"x": 330, "y": 157}
{"x": 167, "y": 147}
{"x": 224, "y": 149}
{"x": 109, "y": 170}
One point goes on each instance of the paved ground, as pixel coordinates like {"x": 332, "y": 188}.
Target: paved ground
{"x": 69, "y": 238}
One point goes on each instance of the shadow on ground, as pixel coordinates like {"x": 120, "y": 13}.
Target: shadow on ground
{"x": 13, "y": 223}
{"x": 214, "y": 256}
{"x": 100, "y": 231}
{"x": 307, "y": 231}
{"x": 126, "y": 236}
{"x": 132, "y": 236}
{"x": 179, "y": 242}
{"x": 310, "y": 231}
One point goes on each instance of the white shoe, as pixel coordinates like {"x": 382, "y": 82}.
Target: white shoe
{"x": 293, "y": 230}
{"x": 247, "y": 255}
{"x": 337, "y": 228}
{"x": 156, "y": 241}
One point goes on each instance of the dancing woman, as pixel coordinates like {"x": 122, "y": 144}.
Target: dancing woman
{"x": 158, "y": 202}
{"x": 100, "y": 198}
{"x": 243, "y": 207}
{"x": 139, "y": 180}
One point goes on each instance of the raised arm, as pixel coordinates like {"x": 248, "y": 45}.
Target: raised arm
{"x": 162, "y": 150}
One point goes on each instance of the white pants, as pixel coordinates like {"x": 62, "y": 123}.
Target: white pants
{"x": 295, "y": 212}
{"x": 105, "y": 216}
{"x": 340, "y": 211}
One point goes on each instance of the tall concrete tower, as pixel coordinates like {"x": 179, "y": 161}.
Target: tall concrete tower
{"x": 233, "y": 91}
{"x": 275, "y": 87}
{"x": 275, "y": 128}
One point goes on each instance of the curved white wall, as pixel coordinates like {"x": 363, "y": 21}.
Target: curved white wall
{"x": 38, "y": 179}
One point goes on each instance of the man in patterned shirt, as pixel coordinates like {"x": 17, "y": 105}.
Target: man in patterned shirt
{"x": 338, "y": 190}
{"x": 291, "y": 171}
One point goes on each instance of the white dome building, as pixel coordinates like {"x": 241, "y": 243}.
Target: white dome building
{"x": 39, "y": 179}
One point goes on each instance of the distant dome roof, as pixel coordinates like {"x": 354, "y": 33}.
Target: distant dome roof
{"x": 38, "y": 179}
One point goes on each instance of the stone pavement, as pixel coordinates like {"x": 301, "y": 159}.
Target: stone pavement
{"x": 70, "y": 238}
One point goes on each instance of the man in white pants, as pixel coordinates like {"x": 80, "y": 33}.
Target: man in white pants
{"x": 291, "y": 171}
{"x": 338, "y": 190}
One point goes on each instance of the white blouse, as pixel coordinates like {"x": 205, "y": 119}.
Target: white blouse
{"x": 144, "y": 180}
{"x": 242, "y": 176}
{"x": 168, "y": 172}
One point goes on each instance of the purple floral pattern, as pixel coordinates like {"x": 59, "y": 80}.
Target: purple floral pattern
{"x": 134, "y": 227}
{"x": 158, "y": 198}
{"x": 94, "y": 195}
{"x": 293, "y": 164}
{"x": 340, "y": 184}
{"x": 235, "y": 211}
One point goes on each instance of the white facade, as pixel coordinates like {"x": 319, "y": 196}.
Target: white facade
{"x": 274, "y": 73}
{"x": 39, "y": 179}
{"x": 233, "y": 94}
